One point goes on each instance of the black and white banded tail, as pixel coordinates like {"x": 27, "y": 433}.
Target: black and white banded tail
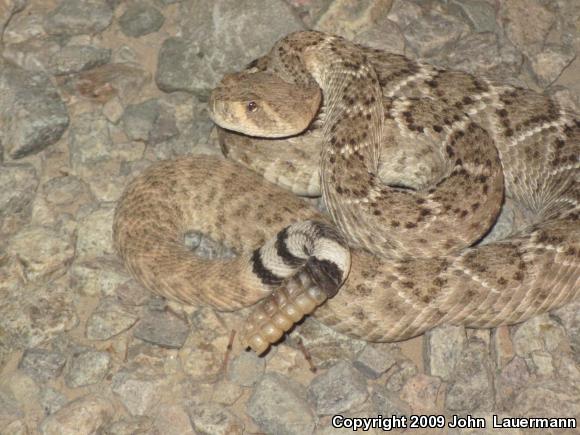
{"x": 305, "y": 265}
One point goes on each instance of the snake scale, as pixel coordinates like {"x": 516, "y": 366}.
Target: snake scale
{"x": 414, "y": 165}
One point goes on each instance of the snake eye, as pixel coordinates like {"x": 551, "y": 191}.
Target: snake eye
{"x": 252, "y": 106}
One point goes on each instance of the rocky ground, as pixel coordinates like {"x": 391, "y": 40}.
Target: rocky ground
{"x": 92, "y": 91}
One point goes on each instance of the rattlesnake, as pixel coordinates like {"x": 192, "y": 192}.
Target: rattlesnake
{"x": 415, "y": 163}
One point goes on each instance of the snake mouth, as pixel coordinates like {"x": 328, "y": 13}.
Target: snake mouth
{"x": 219, "y": 112}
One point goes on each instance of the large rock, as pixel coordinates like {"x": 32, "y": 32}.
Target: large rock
{"x": 138, "y": 389}
{"x": 210, "y": 46}
{"x": 82, "y": 416}
{"x": 42, "y": 364}
{"x": 31, "y": 111}
{"x": 341, "y": 388}
{"x": 19, "y": 183}
{"x": 34, "y": 313}
{"x": 550, "y": 62}
{"x": 44, "y": 252}
{"x": 471, "y": 384}
{"x": 479, "y": 13}
{"x": 569, "y": 316}
{"x": 215, "y": 419}
{"x": 278, "y": 405}
{"x": 434, "y": 32}
{"x": 442, "y": 348}
{"x": 349, "y": 17}
{"x": 141, "y": 18}
{"x": 7, "y": 9}
{"x": 79, "y": 17}
{"x": 556, "y": 398}
{"x": 527, "y": 23}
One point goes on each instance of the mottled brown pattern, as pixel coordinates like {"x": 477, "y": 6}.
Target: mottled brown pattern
{"x": 413, "y": 163}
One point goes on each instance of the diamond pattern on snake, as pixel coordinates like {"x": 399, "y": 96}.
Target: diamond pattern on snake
{"x": 414, "y": 164}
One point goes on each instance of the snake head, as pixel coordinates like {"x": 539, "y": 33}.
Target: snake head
{"x": 262, "y": 104}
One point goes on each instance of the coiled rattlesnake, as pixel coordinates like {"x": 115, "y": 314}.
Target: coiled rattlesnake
{"x": 415, "y": 162}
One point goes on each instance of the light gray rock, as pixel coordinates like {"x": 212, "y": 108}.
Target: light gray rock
{"x": 122, "y": 80}
{"x": 43, "y": 251}
{"x": 548, "y": 64}
{"x": 202, "y": 355}
{"x": 311, "y": 11}
{"x": 78, "y": 17}
{"x": 554, "y": 398}
{"x": 52, "y": 400}
{"x": 97, "y": 277}
{"x": 442, "y": 348}
{"x": 374, "y": 360}
{"x": 8, "y": 9}
{"x": 542, "y": 363}
{"x": 569, "y": 316}
{"x": 163, "y": 329}
{"x": 340, "y": 389}
{"x": 227, "y": 393}
{"x": 278, "y": 405}
{"x": 421, "y": 392}
{"x": 343, "y": 18}
{"x": 384, "y": 35}
{"x": 387, "y": 403}
{"x": 65, "y": 190}
{"x": 510, "y": 381}
{"x": 434, "y": 32}
{"x": 149, "y": 121}
{"x": 131, "y": 426}
{"x": 138, "y": 390}
{"x": 538, "y": 333}
{"x": 95, "y": 233}
{"x": 324, "y": 344}
{"x": 141, "y": 18}
{"x": 9, "y": 409}
{"x": 480, "y": 53}
{"x": 149, "y": 359}
{"x": 172, "y": 419}
{"x": 208, "y": 48}
{"x": 76, "y": 58}
{"x": 31, "y": 111}
{"x": 566, "y": 367}
{"x": 480, "y": 14}
{"x": 33, "y": 314}
{"x": 35, "y": 54}
{"x": 215, "y": 419}
{"x": 404, "y": 370}
{"x": 405, "y": 12}
{"x": 82, "y": 416}
{"x": 19, "y": 182}
{"x": 526, "y": 23}
{"x": 471, "y": 384}
{"x": 22, "y": 27}
{"x": 109, "y": 319}
{"x": 113, "y": 110}
{"x": 86, "y": 368}
{"x": 139, "y": 119}
{"x": 42, "y": 364}
{"x": 96, "y": 159}
{"x": 25, "y": 389}
{"x": 130, "y": 293}
{"x": 246, "y": 369}
{"x": 90, "y": 140}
